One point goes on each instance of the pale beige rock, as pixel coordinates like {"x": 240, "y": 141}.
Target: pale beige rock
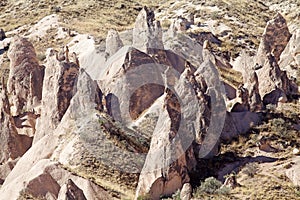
{"x": 113, "y": 43}
{"x": 46, "y": 178}
{"x": 147, "y": 32}
{"x": 58, "y": 89}
{"x": 296, "y": 151}
{"x": 290, "y": 57}
{"x": 186, "y": 192}
{"x": 294, "y": 172}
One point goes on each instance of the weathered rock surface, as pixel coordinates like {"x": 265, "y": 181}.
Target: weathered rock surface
{"x": 252, "y": 85}
{"x": 274, "y": 40}
{"x": 47, "y": 179}
{"x": 237, "y": 123}
{"x": 113, "y": 43}
{"x": 241, "y": 102}
{"x": 58, "y": 89}
{"x": 26, "y": 76}
{"x": 294, "y": 172}
{"x": 290, "y": 57}
{"x": 273, "y": 84}
{"x": 186, "y": 192}
{"x": 147, "y": 32}
{"x": 13, "y": 145}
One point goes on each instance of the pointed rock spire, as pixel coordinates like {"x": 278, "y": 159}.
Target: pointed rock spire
{"x": 113, "y": 42}
{"x": 274, "y": 39}
{"x": 147, "y": 32}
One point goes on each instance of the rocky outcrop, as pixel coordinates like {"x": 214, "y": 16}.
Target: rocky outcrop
{"x": 147, "y": 32}
{"x": 59, "y": 87}
{"x": 13, "y": 145}
{"x": 237, "y": 123}
{"x": 274, "y": 40}
{"x": 273, "y": 83}
{"x": 241, "y": 102}
{"x": 290, "y": 57}
{"x": 252, "y": 85}
{"x": 49, "y": 180}
{"x": 113, "y": 43}
{"x": 186, "y": 192}
{"x": 25, "y": 78}
{"x": 294, "y": 172}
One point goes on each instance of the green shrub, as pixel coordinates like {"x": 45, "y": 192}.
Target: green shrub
{"x": 250, "y": 169}
{"x": 176, "y": 195}
{"x": 211, "y": 186}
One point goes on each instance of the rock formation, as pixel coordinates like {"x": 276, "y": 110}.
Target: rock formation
{"x": 59, "y": 87}
{"x": 274, "y": 40}
{"x": 13, "y": 145}
{"x": 273, "y": 83}
{"x": 79, "y": 121}
{"x": 290, "y": 57}
{"x": 113, "y": 43}
{"x": 26, "y": 76}
{"x": 293, "y": 172}
{"x": 147, "y": 32}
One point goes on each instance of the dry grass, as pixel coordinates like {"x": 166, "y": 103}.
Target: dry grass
{"x": 231, "y": 77}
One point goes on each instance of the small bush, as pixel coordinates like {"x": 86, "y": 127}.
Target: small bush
{"x": 211, "y": 186}
{"x": 279, "y": 126}
{"x": 176, "y": 195}
{"x": 250, "y": 169}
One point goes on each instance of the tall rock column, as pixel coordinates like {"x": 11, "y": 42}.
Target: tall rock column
{"x": 26, "y": 76}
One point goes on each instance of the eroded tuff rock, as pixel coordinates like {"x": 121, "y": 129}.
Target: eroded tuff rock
{"x": 58, "y": 89}
{"x": 147, "y": 32}
{"x": 290, "y": 57}
{"x": 241, "y": 102}
{"x": 113, "y": 43}
{"x": 74, "y": 192}
{"x": 49, "y": 180}
{"x": 12, "y": 144}
{"x": 25, "y": 81}
{"x": 273, "y": 83}
{"x": 252, "y": 85}
{"x": 274, "y": 39}
{"x": 293, "y": 172}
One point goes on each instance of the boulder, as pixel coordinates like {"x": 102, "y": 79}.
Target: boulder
{"x": 273, "y": 83}
{"x": 186, "y": 192}
{"x": 237, "y": 123}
